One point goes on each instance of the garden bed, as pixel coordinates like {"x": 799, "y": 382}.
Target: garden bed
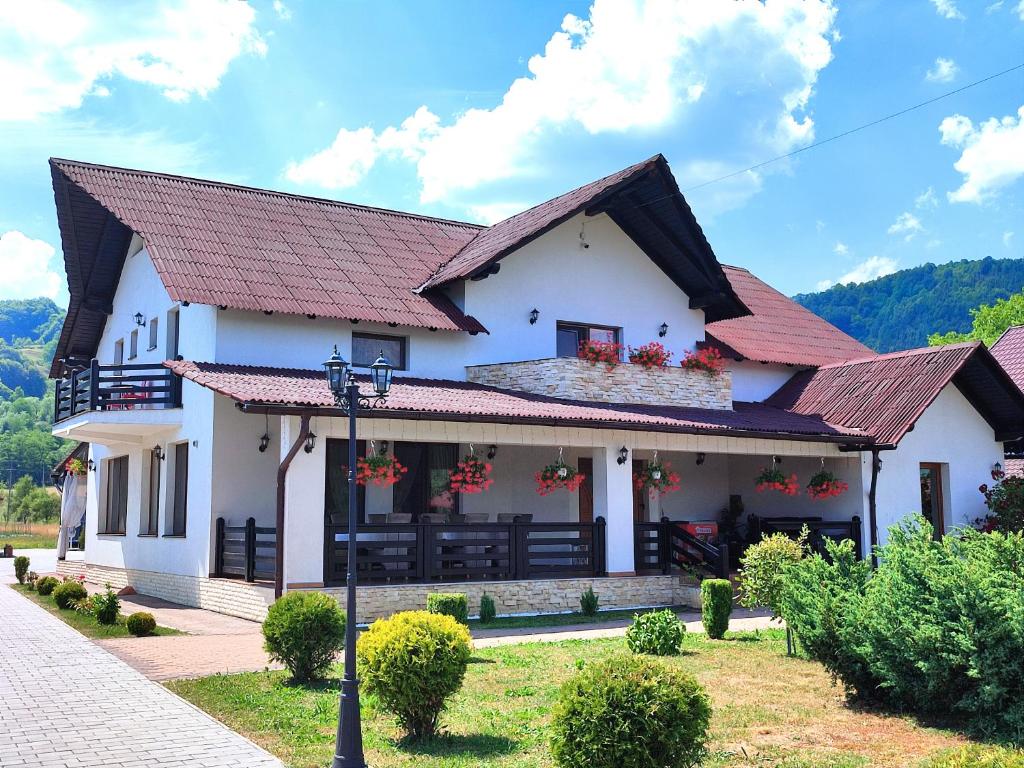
{"x": 769, "y": 710}
{"x": 86, "y": 623}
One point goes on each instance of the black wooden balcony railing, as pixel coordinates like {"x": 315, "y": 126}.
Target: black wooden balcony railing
{"x": 666, "y": 545}
{"x": 818, "y": 530}
{"x": 124, "y": 387}
{"x": 245, "y": 551}
{"x": 425, "y": 552}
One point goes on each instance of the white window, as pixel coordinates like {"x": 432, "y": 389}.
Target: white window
{"x": 153, "y": 324}
{"x": 571, "y": 335}
{"x": 133, "y": 346}
{"x": 115, "y": 510}
{"x": 178, "y": 498}
{"x": 151, "y": 507}
{"x": 172, "y": 334}
{"x": 118, "y": 351}
{"x": 367, "y": 347}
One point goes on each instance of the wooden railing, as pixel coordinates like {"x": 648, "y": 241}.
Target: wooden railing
{"x": 666, "y": 545}
{"x": 425, "y": 552}
{"x": 116, "y": 388}
{"x": 244, "y": 551}
{"x": 818, "y": 531}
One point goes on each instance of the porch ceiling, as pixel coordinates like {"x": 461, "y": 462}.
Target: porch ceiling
{"x": 106, "y": 427}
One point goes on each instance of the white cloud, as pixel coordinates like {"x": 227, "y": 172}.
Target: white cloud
{"x": 906, "y": 224}
{"x": 629, "y": 67}
{"x": 283, "y": 11}
{"x": 1007, "y": 238}
{"x": 1020, "y": 10}
{"x": 992, "y": 154}
{"x": 943, "y": 71}
{"x": 875, "y": 267}
{"x": 841, "y": 249}
{"x": 54, "y": 55}
{"x": 25, "y": 265}
{"x": 490, "y": 213}
{"x": 933, "y": 244}
{"x": 926, "y": 200}
{"x": 947, "y": 9}
{"x": 993, "y": 7}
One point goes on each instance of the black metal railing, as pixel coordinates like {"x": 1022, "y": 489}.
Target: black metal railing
{"x": 122, "y": 387}
{"x": 666, "y": 545}
{"x": 425, "y": 552}
{"x": 818, "y": 530}
{"x": 244, "y": 551}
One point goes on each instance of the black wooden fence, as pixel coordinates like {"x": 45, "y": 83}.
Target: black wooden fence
{"x": 659, "y": 547}
{"x": 424, "y": 552}
{"x": 244, "y": 551}
{"x": 818, "y": 530}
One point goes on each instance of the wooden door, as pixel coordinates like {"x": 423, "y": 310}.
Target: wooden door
{"x": 586, "y": 466}
{"x": 931, "y": 496}
{"x": 641, "y": 499}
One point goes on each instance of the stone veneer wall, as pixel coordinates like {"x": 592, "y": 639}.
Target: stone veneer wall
{"x": 570, "y": 378}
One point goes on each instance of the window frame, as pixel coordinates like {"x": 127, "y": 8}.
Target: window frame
{"x": 403, "y": 342}
{"x": 154, "y": 334}
{"x": 119, "y": 352}
{"x": 561, "y": 325}
{"x": 180, "y": 484}
{"x": 149, "y": 519}
{"x": 133, "y": 344}
{"x": 104, "y": 527}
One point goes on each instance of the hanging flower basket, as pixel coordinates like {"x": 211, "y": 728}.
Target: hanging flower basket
{"x": 471, "y": 475}
{"x": 74, "y": 466}
{"x": 379, "y": 470}
{"x": 825, "y": 485}
{"x": 558, "y": 475}
{"x": 709, "y": 360}
{"x": 652, "y": 355}
{"x": 772, "y": 479}
{"x": 658, "y": 477}
{"x": 607, "y": 352}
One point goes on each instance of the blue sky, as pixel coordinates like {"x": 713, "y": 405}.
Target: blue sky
{"x": 475, "y": 110}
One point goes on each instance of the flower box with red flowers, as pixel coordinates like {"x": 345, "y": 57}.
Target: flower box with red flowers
{"x": 471, "y": 475}
{"x": 607, "y": 352}
{"x": 74, "y": 466}
{"x": 379, "y": 470}
{"x": 825, "y": 485}
{"x": 772, "y": 479}
{"x": 709, "y": 360}
{"x": 657, "y": 477}
{"x": 558, "y": 475}
{"x": 653, "y": 355}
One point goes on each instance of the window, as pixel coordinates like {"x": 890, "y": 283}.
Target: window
{"x": 151, "y": 510}
{"x": 336, "y": 483}
{"x": 115, "y": 513}
{"x": 932, "y": 497}
{"x": 571, "y": 335}
{"x": 118, "y": 351}
{"x": 367, "y": 347}
{"x": 153, "y": 324}
{"x": 172, "y": 334}
{"x": 424, "y": 487}
{"x": 179, "y": 496}
{"x": 133, "y": 347}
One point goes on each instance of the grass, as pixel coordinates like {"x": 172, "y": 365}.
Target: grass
{"x": 85, "y": 623}
{"x": 769, "y": 710}
{"x": 561, "y": 619}
{"x": 29, "y": 535}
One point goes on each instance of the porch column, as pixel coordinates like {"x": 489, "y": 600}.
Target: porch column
{"x": 303, "y": 511}
{"x": 613, "y": 500}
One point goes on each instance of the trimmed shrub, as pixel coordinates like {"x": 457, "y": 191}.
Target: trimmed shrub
{"x": 141, "y": 623}
{"x": 454, "y": 604}
{"x": 588, "y": 602}
{"x": 761, "y": 570}
{"x": 630, "y": 712}
{"x": 20, "y": 568}
{"x": 106, "y": 607}
{"x": 977, "y": 756}
{"x": 46, "y": 585}
{"x": 411, "y": 662}
{"x": 658, "y": 633}
{"x": 31, "y": 578}
{"x": 715, "y": 606}
{"x": 67, "y": 593}
{"x": 487, "y": 611}
{"x": 304, "y": 631}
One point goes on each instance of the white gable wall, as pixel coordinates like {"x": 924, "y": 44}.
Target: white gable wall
{"x": 753, "y": 382}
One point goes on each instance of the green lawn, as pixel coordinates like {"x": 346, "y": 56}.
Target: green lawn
{"x": 769, "y": 710}
{"x": 28, "y": 541}
{"x": 561, "y": 619}
{"x": 85, "y": 623}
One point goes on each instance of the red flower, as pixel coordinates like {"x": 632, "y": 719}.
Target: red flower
{"x": 471, "y": 475}
{"x": 607, "y": 352}
{"x": 558, "y": 475}
{"x": 652, "y": 355}
{"x": 657, "y": 476}
{"x": 379, "y": 470}
{"x": 708, "y": 360}
{"x": 825, "y": 485}
{"x": 773, "y": 480}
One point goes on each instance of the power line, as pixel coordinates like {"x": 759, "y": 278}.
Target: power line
{"x": 850, "y": 131}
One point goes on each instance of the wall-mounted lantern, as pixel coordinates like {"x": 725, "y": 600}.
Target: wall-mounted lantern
{"x": 492, "y": 452}
{"x": 140, "y": 319}
{"x": 663, "y": 330}
{"x": 310, "y": 443}
{"x": 700, "y": 458}
{"x": 623, "y": 455}
{"x": 534, "y": 314}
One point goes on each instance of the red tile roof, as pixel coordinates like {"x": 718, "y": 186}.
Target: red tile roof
{"x": 779, "y": 330}
{"x": 884, "y": 395}
{"x": 251, "y": 249}
{"x": 1014, "y": 467}
{"x": 459, "y": 400}
{"x": 1009, "y": 352}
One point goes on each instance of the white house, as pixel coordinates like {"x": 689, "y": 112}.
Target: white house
{"x": 201, "y": 312}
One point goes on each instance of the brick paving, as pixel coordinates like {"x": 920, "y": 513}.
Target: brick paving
{"x": 64, "y": 701}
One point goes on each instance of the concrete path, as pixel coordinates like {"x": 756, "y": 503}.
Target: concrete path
{"x": 64, "y": 701}
{"x": 39, "y": 560}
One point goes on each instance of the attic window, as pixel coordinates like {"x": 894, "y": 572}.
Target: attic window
{"x": 571, "y": 335}
{"x": 367, "y": 347}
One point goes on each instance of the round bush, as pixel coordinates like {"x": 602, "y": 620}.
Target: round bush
{"x": 141, "y": 623}
{"x": 716, "y": 605}
{"x": 658, "y": 633}
{"x": 20, "y": 568}
{"x": 454, "y": 604}
{"x": 66, "y": 594}
{"x": 46, "y": 585}
{"x": 304, "y": 631}
{"x": 412, "y": 662}
{"x": 630, "y": 712}
{"x": 762, "y": 567}
{"x": 977, "y": 756}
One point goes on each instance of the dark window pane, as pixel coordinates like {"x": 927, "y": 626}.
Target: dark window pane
{"x": 336, "y": 483}
{"x": 149, "y": 521}
{"x": 367, "y": 347}
{"x": 568, "y": 342}
{"x": 116, "y": 512}
{"x": 424, "y": 488}
{"x": 180, "y": 509}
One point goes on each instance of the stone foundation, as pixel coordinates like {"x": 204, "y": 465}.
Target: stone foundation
{"x": 570, "y": 378}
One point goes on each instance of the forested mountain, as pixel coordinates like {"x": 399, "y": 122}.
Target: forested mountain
{"x": 900, "y": 310}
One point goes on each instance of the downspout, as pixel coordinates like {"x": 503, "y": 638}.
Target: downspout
{"x": 876, "y": 466}
{"x": 282, "y": 473}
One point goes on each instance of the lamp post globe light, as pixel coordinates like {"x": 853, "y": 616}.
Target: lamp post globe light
{"x": 348, "y": 745}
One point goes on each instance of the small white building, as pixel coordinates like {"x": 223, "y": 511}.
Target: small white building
{"x": 201, "y": 312}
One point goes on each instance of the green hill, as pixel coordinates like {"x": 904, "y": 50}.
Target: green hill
{"x": 900, "y": 310}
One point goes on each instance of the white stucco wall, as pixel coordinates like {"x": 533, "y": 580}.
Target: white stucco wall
{"x": 753, "y": 382}
{"x": 244, "y": 480}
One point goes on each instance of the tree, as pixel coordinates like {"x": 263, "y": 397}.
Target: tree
{"x": 990, "y": 321}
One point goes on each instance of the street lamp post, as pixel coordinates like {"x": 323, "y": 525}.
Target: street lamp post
{"x": 348, "y": 745}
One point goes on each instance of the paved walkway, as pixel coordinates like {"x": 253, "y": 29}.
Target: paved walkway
{"x": 64, "y": 701}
